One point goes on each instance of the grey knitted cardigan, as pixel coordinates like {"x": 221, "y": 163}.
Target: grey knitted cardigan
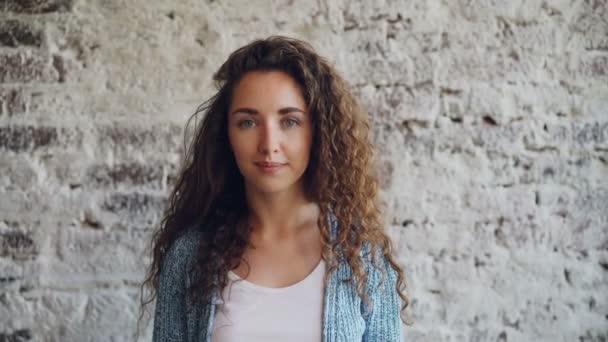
{"x": 345, "y": 317}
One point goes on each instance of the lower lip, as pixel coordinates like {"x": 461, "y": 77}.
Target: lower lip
{"x": 269, "y": 169}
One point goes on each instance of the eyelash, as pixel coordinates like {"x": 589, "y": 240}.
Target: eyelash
{"x": 295, "y": 123}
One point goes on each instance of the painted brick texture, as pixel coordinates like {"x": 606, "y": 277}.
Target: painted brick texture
{"x": 490, "y": 119}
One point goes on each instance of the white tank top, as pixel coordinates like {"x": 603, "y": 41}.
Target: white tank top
{"x": 253, "y": 313}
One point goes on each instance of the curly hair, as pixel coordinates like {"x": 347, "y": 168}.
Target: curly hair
{"x": 210, "y": 189}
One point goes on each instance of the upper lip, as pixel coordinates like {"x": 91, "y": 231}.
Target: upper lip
{"x": 269, "y": 164}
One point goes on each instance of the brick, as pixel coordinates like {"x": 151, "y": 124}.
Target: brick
{"x": 30, "y": 138}
{"x": 172, "y": 173}
{"x": 133, "y": 203}
{"x": 122, "y": 135}
{"x": 157, "y": 138}
{"x": 14, "y": 33}
{"x": 36, "y": 6}
{"x": 7, "y": 280}
{"x": 22, "y": 67}
{"x": 596, "y": 67}
{"x": 18, "y": 173}
{"x": 385, "y": 174}
{"x": 590, "y": 133}
{"x": 574, "y": 135}
{"x": 17, "y": 244}
{"x": 472, "y": 66}
{"x": 12, "y": 102}
{"x": 593, "y": 201}
{"x": 83, "y": 256}
{"x": 420, "y": 42}
{"x": 588, "y": 28}
{"x": 99, "y": 312}
{"x": 14, "y": 275}
{"x": 22, "y": 138}
{"x": 20, "y": 335}
{"x": 523, "y": 35}
{"x": 59, "y": 64}
{"x": 392, "y": 104}
{"x": 39, "y": 102}
{"x": 126, "y": 173}
{"x": 577, "y": 68}
{"x": 477, "y": 10}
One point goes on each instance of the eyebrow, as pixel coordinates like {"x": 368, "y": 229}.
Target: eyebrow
{"x": 282, "y": 111}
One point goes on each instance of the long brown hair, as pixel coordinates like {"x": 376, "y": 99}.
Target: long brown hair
{"x": 210, "y": 189}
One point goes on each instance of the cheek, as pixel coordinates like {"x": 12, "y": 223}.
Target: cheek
{"x": 300, "y": 147}
{"x": 236, "y": 144}
{"x": 242, "y": 145}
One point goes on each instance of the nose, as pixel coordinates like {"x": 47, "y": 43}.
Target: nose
{"x": 270, "y": 139}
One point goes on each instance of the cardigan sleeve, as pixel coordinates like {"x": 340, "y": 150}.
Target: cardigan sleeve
{"x": 170, "y": 322}
{"x": 383, "y": 319}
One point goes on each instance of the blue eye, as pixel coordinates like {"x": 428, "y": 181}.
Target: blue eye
{"x": 291, "y": 122}
{"x": 286, "y": 123}
{"x": 245, "y": 123}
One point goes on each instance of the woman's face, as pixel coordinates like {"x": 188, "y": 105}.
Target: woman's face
{"x": 270, "y": 131}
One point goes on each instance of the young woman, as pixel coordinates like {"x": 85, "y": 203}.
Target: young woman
{"x": 273, "y": 232}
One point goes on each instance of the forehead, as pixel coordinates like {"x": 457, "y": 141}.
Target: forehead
{"x": 267, "y": 88}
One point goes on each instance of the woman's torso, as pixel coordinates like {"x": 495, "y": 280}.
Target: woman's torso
{"x": 276, "y": 292}
{"x": 259, "y": 313}
{"x": 281, "y": 262}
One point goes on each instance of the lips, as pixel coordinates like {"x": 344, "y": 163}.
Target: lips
{"x": 269, "y": 164}
{"x": 270, "y": 167}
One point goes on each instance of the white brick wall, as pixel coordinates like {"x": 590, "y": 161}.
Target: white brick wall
{"x": 491, "y": 118}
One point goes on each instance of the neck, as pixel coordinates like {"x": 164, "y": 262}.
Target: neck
{"x": 280, "y": 215}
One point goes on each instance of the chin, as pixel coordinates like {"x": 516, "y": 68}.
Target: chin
{"x": 270, "y": 186}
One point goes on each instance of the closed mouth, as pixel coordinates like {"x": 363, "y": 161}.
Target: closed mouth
{"x": 269, "y": 164}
